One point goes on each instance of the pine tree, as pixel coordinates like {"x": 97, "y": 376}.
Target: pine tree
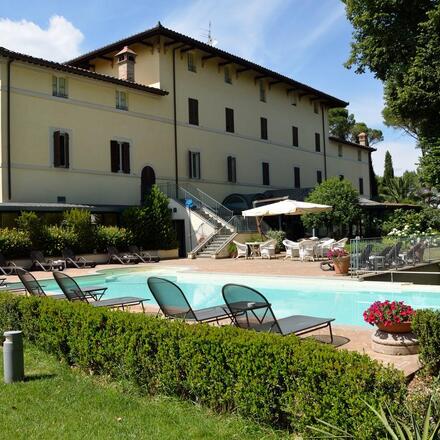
{"x": 388, "y": 172}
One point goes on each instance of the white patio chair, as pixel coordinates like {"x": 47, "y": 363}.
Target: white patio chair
{"x": 292, "y": 249}
{"x": 267, "y": 249}
{"x": 323, "y": 247}
{"x": 307, "y": 250}
{"x": 340, "y": 244}
{"x": 242, "y": 249}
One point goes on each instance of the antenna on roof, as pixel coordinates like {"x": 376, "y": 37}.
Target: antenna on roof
{"x": 208, "y": 35}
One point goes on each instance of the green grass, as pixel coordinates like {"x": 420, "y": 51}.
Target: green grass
{"x": 56, "y": 401}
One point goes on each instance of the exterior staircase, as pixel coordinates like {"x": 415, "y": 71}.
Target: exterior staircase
{"x": 213, "y": 246}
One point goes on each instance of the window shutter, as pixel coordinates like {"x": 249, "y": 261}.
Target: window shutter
{"x": 56, "y": 149}
{"x": 295, "y": 136}
{"x": 114, "y": 156}
{"x": 66, "y": 150}
{"x": 199, "y": 175}
{"x": 317, "y": 142}
{"x": 229, "y": 169}
{"x": 54, "y": 86}
{"x": 193, "y": 111}
{"x": 190, "y": 160}
{"x": 126, "y": 157}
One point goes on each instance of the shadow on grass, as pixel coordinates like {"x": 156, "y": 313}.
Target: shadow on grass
{"x": 32, "y": 377}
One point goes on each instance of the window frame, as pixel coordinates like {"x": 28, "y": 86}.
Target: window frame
{"x": 264, "y": 135}
{"x": 124, "y": 147}
{"x": 295, "y": 136}
{"x": 361, "y": 186}
{"x": 359, "y": 155}
{"x": 119, "y": 105}
{"x": 56, "y": 158}
{"x": 318, "y": 177}
{"x": 296, "y": 177}
{"x": 232, "y": 169}
{"x": 262, "y": 91}
{"x": 193, "y": 112}
{"x": 317, "y": 142}
{"x": 265, "y": 168}
{"x": 191, "y": 62}
{"x": 229, "y": 120}
{"x": 56, "y": 89}
{"x": 194, "y": 167}
{"x": 227, "y": 75}
{"x": 316, "y": 107}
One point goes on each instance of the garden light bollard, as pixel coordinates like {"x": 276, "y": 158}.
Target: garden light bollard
{"x": 13, "y": 360}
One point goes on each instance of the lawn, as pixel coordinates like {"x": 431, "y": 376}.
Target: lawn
{"x": 56, "y": 401}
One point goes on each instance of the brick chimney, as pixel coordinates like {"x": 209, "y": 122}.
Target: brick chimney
{"x": 363, "y": 139}
{"x": 126, "y": 59}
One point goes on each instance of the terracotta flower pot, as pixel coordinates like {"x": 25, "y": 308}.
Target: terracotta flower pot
{"x": 342, "y": 264}
{"x": 401, "y": 327}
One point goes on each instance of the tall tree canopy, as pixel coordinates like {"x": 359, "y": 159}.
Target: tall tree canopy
{"x": 399, "y": 41}
{"x": 388, "y": 171}
{"x": 343, "y": 125}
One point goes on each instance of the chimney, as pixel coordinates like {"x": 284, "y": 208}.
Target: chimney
{"x": 126, "y": 59}
{"x": 363, "y": 139}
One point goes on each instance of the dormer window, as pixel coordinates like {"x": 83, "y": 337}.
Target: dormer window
{"x": 59, "y": 87}
{"x": 191, "y": 62}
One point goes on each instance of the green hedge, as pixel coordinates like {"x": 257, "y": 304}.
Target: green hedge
{"x": 426, "y": 325}
{"x": 14, "y": 243}
{"x": 277, "y": 380}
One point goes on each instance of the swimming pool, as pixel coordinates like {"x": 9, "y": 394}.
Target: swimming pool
{"x": 344, "y": 300}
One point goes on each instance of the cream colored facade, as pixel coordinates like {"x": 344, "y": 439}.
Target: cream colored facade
{"x": 90, "y": 118}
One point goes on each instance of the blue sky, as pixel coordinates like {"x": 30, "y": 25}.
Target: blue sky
{"x": 308, "y": 40}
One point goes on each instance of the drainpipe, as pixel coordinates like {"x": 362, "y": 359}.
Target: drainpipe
{"x": 8, "y": 123}
{"x": 176, "y": 167}
{"x": 324, "y": 144}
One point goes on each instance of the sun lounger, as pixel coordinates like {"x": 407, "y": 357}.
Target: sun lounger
{"x": 7, "y": 267}
{"x": 71, "y": 260}
{"x": 39, "y": 261}
{"x": 173, "y": 303}
{"x": 143, "y": 256}
{"x": 34, "y": 288}
{"x": 73, "y": 292}
{"x": 251, "y": 310}
{"x": 114, "y": 256}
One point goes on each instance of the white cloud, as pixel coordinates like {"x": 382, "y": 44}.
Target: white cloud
{"x": 59, "y": 42}
{"x": 238, "y": 26}
{"x": 367, "y": 109}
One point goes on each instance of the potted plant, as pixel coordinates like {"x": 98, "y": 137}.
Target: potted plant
{"x": 390, "y": 316}
{"x": 341, "y": 260}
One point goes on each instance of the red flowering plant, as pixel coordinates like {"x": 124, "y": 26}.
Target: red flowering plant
{"x": 388, "y": 313}
{"x": 336, "y": 253}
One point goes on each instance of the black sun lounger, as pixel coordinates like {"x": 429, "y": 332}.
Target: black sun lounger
{"x": 251, "y": 310}
{"x": 7, "y": 267}
{"x": 73, "y": 261}
{"x": 173, "y": 303}
{"x": 73, "y": 292}
{"x": 143, "y": 256}
{"x": 114, "y": 256}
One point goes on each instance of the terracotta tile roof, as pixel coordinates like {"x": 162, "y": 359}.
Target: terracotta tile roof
{"x": 78, "y": 71}
{"x": 351, "y": 144}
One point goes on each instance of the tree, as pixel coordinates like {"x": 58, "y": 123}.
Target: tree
{"x": 388, "y": 172}
{"x": 402, "y": 189}
{"x": 344, "y": 199}
{"x": 343, "y": 125}
{"x": 399, "y": 41}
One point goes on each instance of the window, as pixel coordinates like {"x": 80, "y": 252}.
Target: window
{"x": 193, "y": 111}
{"x": 194, "y": 165}
{"x": 293, "y": 98}
{"x": 232, "y": 169}
{"x": 266, "y": 178}
{"x": 263, "y": 127}
{"x": 121, "y": 100}
{"x": 295, "y": 142}
{"x": 319, "y": 176}
{"x": 361, "y": 186}
{"x": 262, "y": 92}
{"x": 228, "y": 77}
{"x": 296, "y": 177}
{"x": 339, "y": 150}
{"x": 359, "y": 155}
{"x": 229, "y": 113}
{"x": 316, "y": 107}
{"x": 191, "y": 62}
{"x": 59, "y": 87}
{"x": 120, "y": 157}
{"x": 60, "y": 149}
{"x": 341, "y": 177}
{"x": 317, "y": 142}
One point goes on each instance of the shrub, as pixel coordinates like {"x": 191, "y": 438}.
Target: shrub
{"x": 403, "y": 223}
{"x": 57, "y": 238}
{"x": 151, "y": 224}
{"x": 279, "y": 236}
{"x": 31, "y": 224}
{"x": 14, "y": 243}
{"x": 79, "y": 222}
{"x": 106, "y": 236}
{"x": 426, "y": 325}
{"x": 284, "y": 381}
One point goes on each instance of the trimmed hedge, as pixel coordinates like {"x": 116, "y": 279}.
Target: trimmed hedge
{"x": 426, "y": 325}
{"x": 277, "y": 380}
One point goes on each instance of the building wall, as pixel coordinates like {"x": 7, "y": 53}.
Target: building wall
{"x": 3, "y": 159}
{"x": 90, "y": 117}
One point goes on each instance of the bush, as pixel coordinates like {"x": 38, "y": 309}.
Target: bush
{"x": 14, "y": 243}
{"x": 107, "y": 236}
{"x": 279, "y": 236}
{"x": 283, "y": 381}
{"x": 32, "y": 225}
{"x": 79, "y": 223}
{"x": 410, "y": 222}
{"x": 426, "y": 325}
{"x": 56, "y": 239}
{"x": 151, "y": 224}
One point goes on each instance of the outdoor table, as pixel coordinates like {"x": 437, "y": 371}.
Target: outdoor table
{"x": 254, "y": 248}
{"x": 377, "y": 260}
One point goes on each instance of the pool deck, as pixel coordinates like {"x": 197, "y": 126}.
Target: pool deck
{"x": 346, "y": 337}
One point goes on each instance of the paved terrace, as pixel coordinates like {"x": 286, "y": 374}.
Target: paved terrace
{"x": 346, "y": 337}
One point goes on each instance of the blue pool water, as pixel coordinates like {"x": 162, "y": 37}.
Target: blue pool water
{"x": 343, "y": 300}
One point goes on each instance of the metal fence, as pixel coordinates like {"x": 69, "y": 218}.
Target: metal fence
{"x": 392, "y": 253}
